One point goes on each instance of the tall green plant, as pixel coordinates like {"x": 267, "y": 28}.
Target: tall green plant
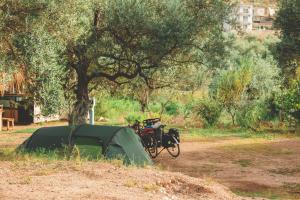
{"x": 209, "y": 110}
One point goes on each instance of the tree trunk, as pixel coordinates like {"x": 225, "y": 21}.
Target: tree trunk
{"x": 232, "y": 114}
{"x": 81, "y": 107}
{"x": 143, "y": 99}
{"x": 143, "y": 107}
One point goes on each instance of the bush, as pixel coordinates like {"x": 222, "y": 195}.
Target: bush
{"x": 131, "y": 118}
{"x": 249, "y": 116}
{"x": 100, "y": 110}
{"x": 188, "y": 109}
{"x": 172, "y": 108}
{"x": 209, "y": 110}
{"x": 154, "y": 107}
{"x": 113, "y": 107}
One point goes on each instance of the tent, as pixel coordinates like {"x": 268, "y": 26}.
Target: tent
{"x": 114, "y": 142}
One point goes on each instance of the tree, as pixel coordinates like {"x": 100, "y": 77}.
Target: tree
{"x": 30, "y": 53}
{"x": 287, "y": 21}
{"x": 119, "y": 40}
{"x": 289, "y": 101}
{"x": 130, "y": 41}
{"x": 46, "y": 73}
{"x": 251, "y": 77}
{"x": 229, "y": 89}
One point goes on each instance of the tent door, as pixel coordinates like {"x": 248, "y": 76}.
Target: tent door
{"x": 89, "y": 148}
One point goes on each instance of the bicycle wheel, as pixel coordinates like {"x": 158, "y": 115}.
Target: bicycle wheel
{"x": 151, "y": 146}
{"x": 174, "y": 150}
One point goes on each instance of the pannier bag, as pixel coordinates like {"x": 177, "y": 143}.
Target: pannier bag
{"x": 175, "y": 132}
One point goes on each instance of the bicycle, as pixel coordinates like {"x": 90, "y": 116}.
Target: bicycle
{"x": 153, "y": 137}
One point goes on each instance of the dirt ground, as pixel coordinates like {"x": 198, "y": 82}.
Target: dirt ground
{"x": 249, "y": 167}
{"x": 64, "y": 180}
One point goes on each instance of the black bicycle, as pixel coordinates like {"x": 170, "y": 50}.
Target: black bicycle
{"x": 155, "y": 139}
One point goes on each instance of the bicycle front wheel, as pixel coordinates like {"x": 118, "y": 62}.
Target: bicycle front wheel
{"x": 174, "y": 150}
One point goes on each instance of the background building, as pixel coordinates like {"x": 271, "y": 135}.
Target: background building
{"x": 250, "y": 17}
{"x": 245, "y": 17}
{"x": 14, "y": 102}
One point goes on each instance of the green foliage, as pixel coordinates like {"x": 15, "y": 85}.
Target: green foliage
{"x": 132, "y": 118}
{"x": 289, "y": 100}
{"x": 172, "y": 108}
{"x": 250, "y": 115}
{"x": 113, "y": 40}
{"x": 209, "y": 110}
{"x": 229, "y": 88}
{"x": 252, "y": 75}
{"x": 114, "y": 107}
{"x": 188, "y": 109}
{"x": 45, "y": 70}
{"x": 154, "y": 107}
{"x": 287, "y": 21}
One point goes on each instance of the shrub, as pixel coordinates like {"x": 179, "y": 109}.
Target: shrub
{"x": 100, "y": 110}
{"x": 154, "y": 107}
{"x": 172, "y": 108}
{"x": 188, "y": 109}
{"x": 250, "y": 115}
{"x": 209, "y": 110}
{"x": 131, "y": 118}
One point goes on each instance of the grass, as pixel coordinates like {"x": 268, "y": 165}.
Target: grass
{"x": 27, "y": 130}
{"x": 149, "y": 187}
{"x": 11, "y": 154}
{"x": 244, "y": 162}
{"x": 131, "y": 183}
{"x": 286, "y": 191}
{"x": 255, "y": 147}
{"x": 286, "y": 171}
{"x": 196, "y": 134}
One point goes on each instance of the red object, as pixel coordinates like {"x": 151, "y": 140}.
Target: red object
{"x": 147, "y": 131}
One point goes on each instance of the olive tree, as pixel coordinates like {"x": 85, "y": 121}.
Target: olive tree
{"x": 119, "y": 40}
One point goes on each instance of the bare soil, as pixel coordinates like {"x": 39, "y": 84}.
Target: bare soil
{"x": 250, "y": 167}
{"x": 90, "y": 180}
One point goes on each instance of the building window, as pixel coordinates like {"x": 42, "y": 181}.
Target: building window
{"x": 246, "y": 10}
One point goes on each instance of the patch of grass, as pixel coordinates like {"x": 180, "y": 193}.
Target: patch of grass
{"x": 244, "y": 162}
{"x": 255, "y": 148}
{"x": 131, "y": 183}
{"x": 25, "y": 180}
{"x": 286, "y": 171}
{"x": 149, "y": 187}
{"x": 194, "y": 134}
{"x": 11, "y": 154}
{"x": 292, "y": 188}
{"x": 286, "y": 191}
{"x": 44, "y": 172}
{"x": 27, "y": 130}
{"x": 265, "y": 194}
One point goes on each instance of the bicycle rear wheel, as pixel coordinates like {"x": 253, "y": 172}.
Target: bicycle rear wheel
{"x": 151, "y": 146}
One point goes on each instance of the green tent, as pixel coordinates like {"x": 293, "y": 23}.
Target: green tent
{"x": 112, "y": 141}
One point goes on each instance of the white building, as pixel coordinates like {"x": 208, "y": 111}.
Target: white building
{"x": 245, "y": 17}
{"x": 248, "y": 17}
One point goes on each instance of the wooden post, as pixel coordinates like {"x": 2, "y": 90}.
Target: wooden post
{"x": 1, "y": 111}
